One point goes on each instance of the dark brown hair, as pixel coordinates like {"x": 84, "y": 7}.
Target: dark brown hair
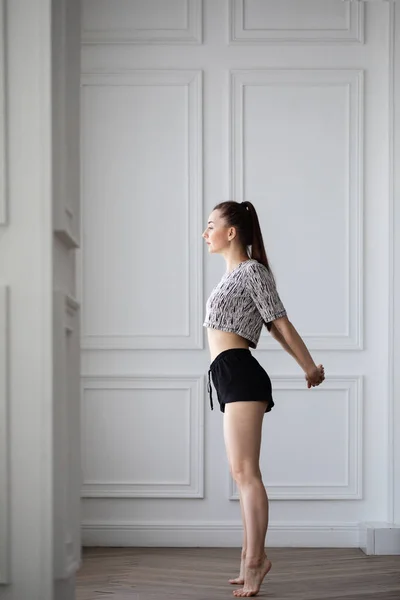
{"x": 243, "y": 216}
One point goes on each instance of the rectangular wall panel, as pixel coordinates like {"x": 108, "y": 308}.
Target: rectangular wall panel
{"x": 143, "y": 437}
{"x": 142, "y": 210}
{"x": 315, "y": 439}
{"x": 142, "y": 21}
{"x": 296, "y": 22}
{"x": 297, "y": 153}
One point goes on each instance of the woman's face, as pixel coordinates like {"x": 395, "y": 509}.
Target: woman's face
{"x": 217, "y": 235}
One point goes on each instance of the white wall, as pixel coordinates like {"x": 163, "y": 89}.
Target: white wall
{"x": 185, "y": 104}
{"x": 39, "y": 324}
{"x": 25, "y": 270}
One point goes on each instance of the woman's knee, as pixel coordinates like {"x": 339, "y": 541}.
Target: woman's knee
{"x": 244, "y": 472}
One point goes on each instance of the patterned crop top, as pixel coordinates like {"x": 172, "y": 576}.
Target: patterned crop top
{"x": 244, "y": 299}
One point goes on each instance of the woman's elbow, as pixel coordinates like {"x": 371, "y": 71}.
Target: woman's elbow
{"x": 282, "y": 324}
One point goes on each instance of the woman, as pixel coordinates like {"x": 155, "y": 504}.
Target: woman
{"x": 245, "y": 298}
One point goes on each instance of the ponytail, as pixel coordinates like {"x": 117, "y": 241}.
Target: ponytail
{"x": 257, "y": 246}
{"x": 257, "y": 242}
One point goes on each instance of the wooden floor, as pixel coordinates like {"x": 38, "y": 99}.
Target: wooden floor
{"x": 203, "y": 573}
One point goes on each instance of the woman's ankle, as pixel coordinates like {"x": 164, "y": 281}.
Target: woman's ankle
{"x": 256, "y": 560}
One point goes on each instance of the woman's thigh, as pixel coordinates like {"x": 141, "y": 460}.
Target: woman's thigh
{"x": 242, "y": 434}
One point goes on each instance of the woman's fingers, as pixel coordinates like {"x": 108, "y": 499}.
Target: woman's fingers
{"x": 316, "y": 378}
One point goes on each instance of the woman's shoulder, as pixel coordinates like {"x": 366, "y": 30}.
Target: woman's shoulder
{"x": 256, "y": 271}
{"x": 254, "y": 266}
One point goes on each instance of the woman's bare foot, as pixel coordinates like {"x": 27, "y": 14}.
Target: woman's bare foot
{"x": 253, "y": 577}
{"x": 240, "y": 580}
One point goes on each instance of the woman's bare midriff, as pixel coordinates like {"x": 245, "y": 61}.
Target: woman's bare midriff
{"x": 218, "y": 341}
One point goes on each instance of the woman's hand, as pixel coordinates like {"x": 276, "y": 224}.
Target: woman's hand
{"x": 285, "y": 333}
{"x": 315, "y": 376}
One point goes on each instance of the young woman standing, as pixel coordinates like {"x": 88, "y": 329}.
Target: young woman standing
{"x": 244, "y": 299}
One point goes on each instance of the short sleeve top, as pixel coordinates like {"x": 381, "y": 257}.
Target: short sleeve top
{"x": 244, "y": 300}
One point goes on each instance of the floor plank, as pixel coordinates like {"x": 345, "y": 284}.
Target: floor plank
{"x": 203, "y": 573}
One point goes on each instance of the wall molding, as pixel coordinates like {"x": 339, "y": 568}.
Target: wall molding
{"x": 190, "y": 35}
{"x": 193, "y": 339}
{"x": 391, "y": 291}
{"x": 350, "y": 489}
{"x": 67, "y": 514}
{"x": 352, "y": 34}
{"x": 4, "y": 438}
{"x": 353, "y": 80}
{"x": 65, "y": 193}
{"x": 3, "y": 121}
{"x": 194, "y": 486}
{"x": 380, "y": 538}
{"x": 393, "y": 375}
{"x": 222, "y": 534}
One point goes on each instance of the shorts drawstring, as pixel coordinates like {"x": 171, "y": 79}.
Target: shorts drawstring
{"x": 209, "y": 390}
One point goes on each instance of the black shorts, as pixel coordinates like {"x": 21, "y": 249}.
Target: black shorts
{"x": 237, "y": 376}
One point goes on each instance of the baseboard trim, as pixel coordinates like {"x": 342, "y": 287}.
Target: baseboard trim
{"x": 380, "y": 538}
{"x": 218, "y": 534}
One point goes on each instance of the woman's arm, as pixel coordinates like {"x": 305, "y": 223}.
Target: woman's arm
{"x": 262, "y": 290}
{"x": 276, "y": 334}
{"x": 285, "y": 333}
